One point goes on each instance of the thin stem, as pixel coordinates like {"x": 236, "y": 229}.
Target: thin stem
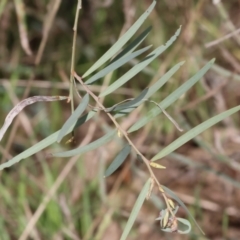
{"x": 124, "y": 133}
{"x": 167, "y": 115}
{"x": 79, "y": 6}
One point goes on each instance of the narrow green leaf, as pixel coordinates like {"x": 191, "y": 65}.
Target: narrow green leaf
{"x": 133, "y": 103}
{"x": 137, "y": 206}
{"x": 187, "y": 223}
{"x": 140, "y": 66}
{"x": 171, "y": 98}
{"x": 118, "y": 161}
{"x": 159, "y": 83}
{"x": 174, "y": 196}
{"x": 113, "y": 66}
{"x": 153, "y": 89}
{"x": 119, "y": 44}
{"x": 44, "y": 143}
{"x": 74, "y": 117}
{"x": 133, "y": 45}
{"x": 129, "y": 105}
{"x": 93, "y": 145}
{"x": 194, "y": 132}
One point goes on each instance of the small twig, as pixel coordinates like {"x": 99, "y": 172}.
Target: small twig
{"x": 217, "y": 41}
{"x": 166, "y": 114}
{"x": 39, "y": 83}
{"x": 79, "y": 6}
{"x": 89, "y": 105}
{"x": 124, "y": 133}
{"x": 70, "y": 98}
{"x": 22, "y": 26}
{"x": 227, "y": 20}
{"x": 49, "y": 18}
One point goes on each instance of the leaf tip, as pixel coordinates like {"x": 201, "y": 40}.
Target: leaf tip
{"x": 213, "y": 60}
{"x": 179, "y": 30}
{"x": 181, "y": 63}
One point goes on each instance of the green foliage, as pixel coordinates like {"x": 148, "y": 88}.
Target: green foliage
{"x": 168, "y": 217}
{"x": 74, "y": 117}
{"x": 150, "y": 91}
{"x": 194, "y": 132}
{"x": 171, "y": 98}
{"x": 44, "y": 143}
{"x": 118, "y": 161}
{"x": 136, "y": 208}
{"x": 180, "y": 202}
{"x": 115, "y": 65}
{"x": 91, "y": 146}
{"x": 120, "y": 43}
{"x": 140, "y": 66}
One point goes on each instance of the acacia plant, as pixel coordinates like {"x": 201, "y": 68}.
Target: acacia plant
{"x": 114, "y": 58}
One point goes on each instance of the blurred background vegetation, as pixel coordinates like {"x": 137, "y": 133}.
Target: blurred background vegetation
{"x": 69, "y": 198}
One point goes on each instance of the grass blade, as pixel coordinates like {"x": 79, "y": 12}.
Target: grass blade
{"x": 133, "y": 45}
{"x": 154, "y": 88}
{"x": 158, "y": 84}
{"x": 73, "y": 118}
{"x": 140, "y": 66}
{"x": 96, "y": 144}
{"x": 119, "y": 44}
{"x": 133, "y": 103}
{"x": 130, "y": 105}
{"x": 175, "y": 197}
{"x": 194, "y": 132}
{"x": 171, "y": 98}
{"x": 137, "y": 206}
{"x": 44, "y": 143}
{"x": 113, "y": 66}
{"x": 118, "y": 161}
